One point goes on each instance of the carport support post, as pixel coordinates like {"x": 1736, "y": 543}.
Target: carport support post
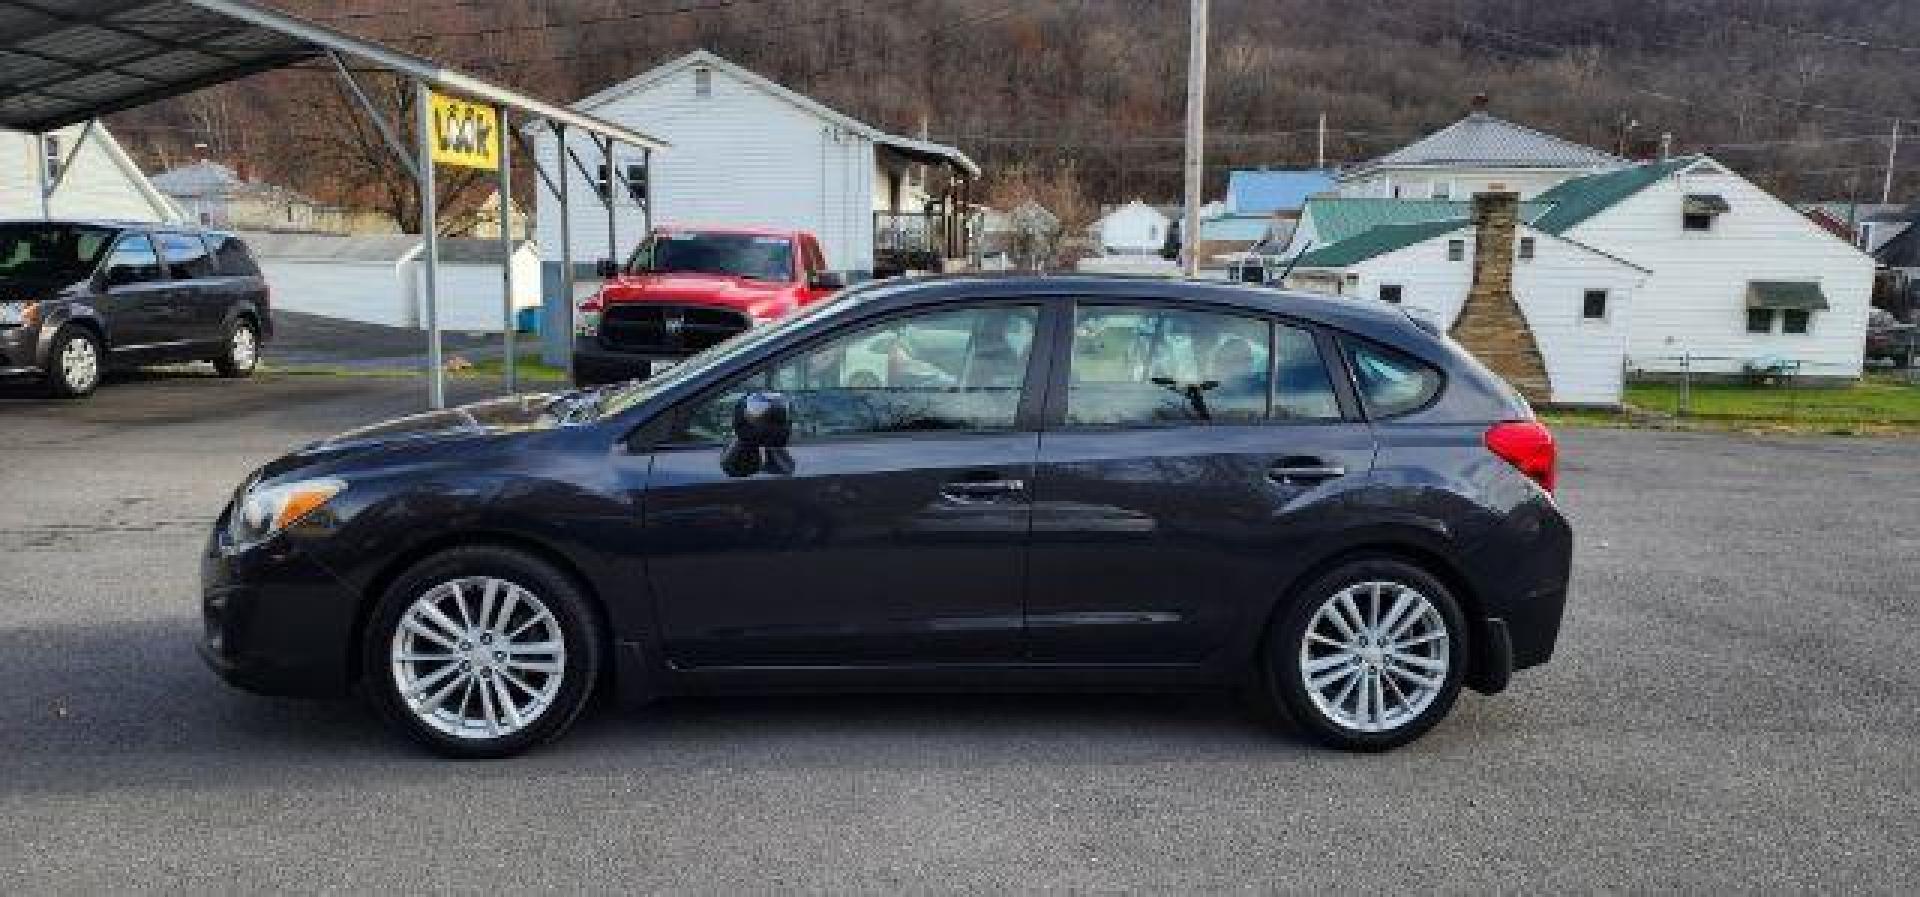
{"x": 430, "y": 245}
{"x": 40, "y": 169}
{"x": 606, "y": 152}
{"x": 512, "y": 361}
{"x": 565, "y": 336}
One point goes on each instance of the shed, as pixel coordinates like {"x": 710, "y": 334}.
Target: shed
{"x": 377, "y": 279}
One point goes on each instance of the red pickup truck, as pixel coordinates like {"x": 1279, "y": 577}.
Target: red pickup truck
{"x": 687, "y": 288}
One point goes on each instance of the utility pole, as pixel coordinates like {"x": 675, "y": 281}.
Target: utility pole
{"x": 1320, "y": 151}
{"x": 1666, "y": 145}
{"x": 1196, "y": 126}
{"x": 1893, "y": 150}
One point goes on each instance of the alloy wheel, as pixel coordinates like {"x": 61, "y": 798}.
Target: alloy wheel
{"x": 244, "y": 348}
{"x": 80, "y": 364}
{"x": 478, "y": 658}
{"x": 1375, "y": 656}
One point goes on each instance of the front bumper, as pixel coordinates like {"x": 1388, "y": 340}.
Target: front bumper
{"x": 275, "y": 621}
{"x": 595, "y": 363}
{"x": 20, "y": 351}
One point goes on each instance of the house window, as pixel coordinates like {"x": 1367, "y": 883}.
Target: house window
{"x": 1795, "y": 320}
{"x": 1593, "y": 306}
{"x": 1526, "y": 248}
{"x": 1696, "y": 221}
{"x": 1442, "y": 190}
{"x": 1697, "y": 210}
{"x": 53, "y": 158}
{"x": 703, "y": 82}
{"x": 1759, "y": 320}
{"x": 1390, "y": 292}
{"x": 1456, "y": 250}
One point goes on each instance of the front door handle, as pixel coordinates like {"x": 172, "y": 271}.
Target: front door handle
{"x": 1304, "y": 469}
{"x": 982, "y": 490}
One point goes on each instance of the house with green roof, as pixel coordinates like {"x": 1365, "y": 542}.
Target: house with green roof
{"x": 1680, "y": 263}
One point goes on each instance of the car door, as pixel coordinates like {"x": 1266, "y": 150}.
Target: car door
{"x": 199, "y": 298}
{"x": 137, "y": 298}
{"x": 892, "y": 530}
{"x": 1190, "y": 455}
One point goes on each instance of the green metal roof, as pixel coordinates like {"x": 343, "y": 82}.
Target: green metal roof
{"x": 1582, "y": 198}
{"x": 1339, "y": 218}
{"x": 1378, "y": 241}
{"x": 1796, "y": 295}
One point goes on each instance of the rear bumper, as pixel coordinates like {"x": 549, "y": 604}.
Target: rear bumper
{"x": 275, "y": 622}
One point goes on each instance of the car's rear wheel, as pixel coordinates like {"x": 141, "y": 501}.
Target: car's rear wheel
{"x": 482, "y": 652}
{"x": 74, "y": 363}
{"x": 1370, "y": 657}
{"x": 242, "y": 351}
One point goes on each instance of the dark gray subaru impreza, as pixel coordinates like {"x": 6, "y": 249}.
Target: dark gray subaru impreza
{"x": 1060, "y": 482}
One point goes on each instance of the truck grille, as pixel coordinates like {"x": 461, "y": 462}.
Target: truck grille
{"x": 667, "y": 328}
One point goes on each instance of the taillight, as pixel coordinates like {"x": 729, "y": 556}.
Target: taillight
{"x": 1528, "y": 446}
{"x": 587, "y": 321}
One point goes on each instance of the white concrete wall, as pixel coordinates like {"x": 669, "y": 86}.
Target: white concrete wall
{"x": 1584, "y": 358}
{"x": 99, "y": 186}
{"x": 383, "y": 293}
{"x": 1460, "y": 183}
{"x": 740, "y": 157}
{"x": 1695, "y": 301}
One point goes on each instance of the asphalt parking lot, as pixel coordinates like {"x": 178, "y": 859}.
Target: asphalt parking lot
{"x": 1734, "y": 707}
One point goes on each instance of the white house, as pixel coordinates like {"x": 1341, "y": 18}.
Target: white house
{"x": 747, "y": 151}
{"x": 1578, "y": 301}
{"x": 1132, "y": 229}
{"x": 378, "y": 279}
{"x": 1478, "y": 153}
{"x": 101, "y": 180}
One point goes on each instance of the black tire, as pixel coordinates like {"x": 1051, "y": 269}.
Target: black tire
{"x": 1283, "y": 682}
{"x": 578, "y": 626}
{"x": 232, "y": 361}
{"x": 64, "y": 383}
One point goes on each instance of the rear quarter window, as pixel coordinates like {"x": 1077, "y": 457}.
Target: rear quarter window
{"x": 231, "y": 256}
{"x": 1391, "y": 383}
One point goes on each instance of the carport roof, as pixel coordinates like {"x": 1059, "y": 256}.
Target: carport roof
{"x": 66, "y": 61}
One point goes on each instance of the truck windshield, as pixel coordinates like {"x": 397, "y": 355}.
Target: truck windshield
{"x": 51, "y": 251}
{"x": 739, "y": 255}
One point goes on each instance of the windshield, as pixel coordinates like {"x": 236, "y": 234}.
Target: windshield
{"x": 739, "y": 255}
{"x": 51, "y": 251}
{"x": 625, "y": 396}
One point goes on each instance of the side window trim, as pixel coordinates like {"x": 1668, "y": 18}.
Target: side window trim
{"x": 1026, "y": 414}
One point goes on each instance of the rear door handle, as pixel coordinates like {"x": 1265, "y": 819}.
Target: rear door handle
{"x": 982, "y": 490}
{"x": 1305, "y": 469}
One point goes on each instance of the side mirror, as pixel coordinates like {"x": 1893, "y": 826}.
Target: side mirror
{"x": 762, "y": 420}
{"x": 606, "y": 268}
{"x": 827, "y": 280}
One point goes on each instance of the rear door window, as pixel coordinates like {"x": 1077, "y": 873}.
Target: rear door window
{"x": 186, "y": 257}
{"x": 1142, "y": 365}
{"x": 1391, "y": 383}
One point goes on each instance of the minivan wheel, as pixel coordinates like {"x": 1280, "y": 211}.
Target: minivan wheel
{"x": 73, "y": 364}
{"x": 1370, "y": 657}
{"x": 242, "y": 352}
{"x": 482, "y": 652}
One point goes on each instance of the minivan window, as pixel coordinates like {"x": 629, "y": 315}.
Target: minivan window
{"x": 1391, "y": 383}
{"x": 1135, "y": 365}
{"x": 950, "y": 370}
{"x": 230, "y": 256}
{"x": 186, "y": 256}
{"x": 65, "y": 252}
{"x": 133, "y": 261}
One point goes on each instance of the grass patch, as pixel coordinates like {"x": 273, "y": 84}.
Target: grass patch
{"x": 1879, "y": 400}
{"x": 529, "y": 368}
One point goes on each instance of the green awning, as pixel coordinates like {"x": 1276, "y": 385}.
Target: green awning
{"x": 1785, "y": 294}
{"x": 1705, "y": 204}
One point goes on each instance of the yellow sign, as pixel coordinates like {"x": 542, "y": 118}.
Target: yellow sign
{"x": 465, "y": 133}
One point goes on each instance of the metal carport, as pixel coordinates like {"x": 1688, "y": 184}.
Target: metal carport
{"x": 63, "y": 62}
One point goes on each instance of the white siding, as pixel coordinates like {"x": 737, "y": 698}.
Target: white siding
{"x": 1695, "y": 301}
{"x": 1460, "y": 183}
{"x": 1584, "y": 358}
{"x": 739, "y": 157}
{"x": 102, "y": 184}
{"x": 388, "y": 293}
{"x": 1133, "y": 229}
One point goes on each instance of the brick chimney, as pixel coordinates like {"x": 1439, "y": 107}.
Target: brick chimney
{"x": 1491, "y": 324}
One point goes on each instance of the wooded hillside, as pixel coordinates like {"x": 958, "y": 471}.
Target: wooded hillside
{"x": 1797, "y": 93}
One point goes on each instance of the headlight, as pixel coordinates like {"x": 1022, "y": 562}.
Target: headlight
{"x": 587, "y": 322}
{"x": 265, "y": 511}
{"x": 18, "y": 314}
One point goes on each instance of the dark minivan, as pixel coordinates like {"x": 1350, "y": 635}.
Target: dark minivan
{"x": 1005, "y": 483}
{"x": 80, "y": 297}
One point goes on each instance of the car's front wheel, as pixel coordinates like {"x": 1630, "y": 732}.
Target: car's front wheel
{"x": 74, "y": 363}
{"x": 482, "y": 652}
{"x": 242, "y": 351}
{"x": 1370, "y": 657}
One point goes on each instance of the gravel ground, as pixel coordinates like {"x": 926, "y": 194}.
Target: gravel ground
{"x": 1733, "y": 707}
